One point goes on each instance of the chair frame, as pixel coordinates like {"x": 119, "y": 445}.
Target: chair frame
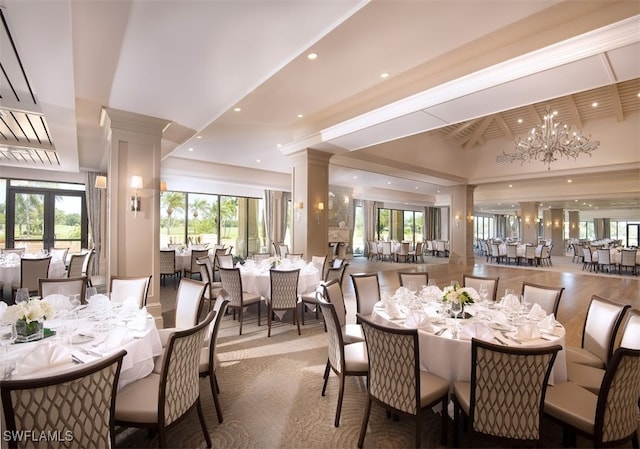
{"x": 76, "y": 265}
{"x": 275, "y": 288}
{"x": 360, "y": 301}
{"x": 558, "y": 291}
{"x": 8, "y": 386}
{"x": 422, "y": 277}
{"x": 193, "y": 266}
{"x": 54, "y": 281}
{"x": 483, "y": 279}
{"x": 175, "y": 273}
{"x": 131, "y": 278}
{"x": 518, "y": 351}
{"x": 240, "y": 307}
{"x": 413, "y": 334}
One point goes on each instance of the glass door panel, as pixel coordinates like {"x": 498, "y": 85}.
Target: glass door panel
{"x": 67, "y": 225}
{"x": 28, "y": 226}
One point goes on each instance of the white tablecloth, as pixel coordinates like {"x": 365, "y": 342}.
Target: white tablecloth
{"x": 10, "y": 271}
{"x": 451, "y": 358}
{"x": 616, "y": 256}
{"x": 256, "y": 278}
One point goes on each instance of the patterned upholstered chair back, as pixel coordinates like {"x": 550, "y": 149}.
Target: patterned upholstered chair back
{"x": 507, "y": 389}
{"x": 334, "y": 337}
{"x": 232, "y": 283}
{"x": 80, "y": 402}
{"x": 189, "y": 302}
{"x": 167, "y": 261}
{"x": 600, "y": 326}
{"x": 195, "y": 255}
{"x": 179, "y": 378}
{"x": 284, "y": 289}
{"x": 394, "y": 370}
{"x": 367, "y": 289}
{"x": 333, "y": 294}
{"x": 617, "y": 409}
{"x": 547, "y": 297}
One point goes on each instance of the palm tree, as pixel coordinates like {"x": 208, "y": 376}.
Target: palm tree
{"x": 174, "y": 202}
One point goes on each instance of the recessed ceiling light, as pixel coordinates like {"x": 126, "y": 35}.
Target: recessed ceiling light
{"x": 384, "y": 75}
{"x": 190, "y": 149}
{"x": 198, "y": 137}
{"x": 355, "y": 177}
{"x": 388, "y": 183}
{"x": 237, "y": 109}
{"x": 417, "y": 187}
{"x": 575, "y": 201}
{"x": 519, "y": 120}
{"x": 300, "y": 115}
{"x": 312, "y": 56}
{"x": 594, "y": 104}
{"x": 258, "y": 161}
{"x": 510, "y": 185}
{"x": 437, "y": 191}
{"x": 569, "y": 181}
{"x": 279, "y": 145}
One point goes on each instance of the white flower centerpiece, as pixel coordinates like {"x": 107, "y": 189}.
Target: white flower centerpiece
{"x": 28, "y": 317}
{"x": 272, "y": 262}
{"x": 466, "y": 295}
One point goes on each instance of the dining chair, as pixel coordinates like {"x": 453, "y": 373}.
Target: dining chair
{"x": 417, "y": 253}
{"x": 189, "y": 304}
{"x": 385, "y": 251}
{"x": 530, "y": 255}
{"x": 590, "y": 377}
{"x": 547, "y": 297}
{"x": 168, "y": 267}
{"x": 284, "y": 295}
{"x": 343, "y": 360}
{"x": 598, "y": 335}
{"x": 608, "y": 418}
{"x": 63, "y": 286}
{"x": 413, "y": 278}
{"x": 504, "y": 398}
{"x": 475, "y": 282}
{"x": 212, "y": 289}
{"x": 332, "y": 292}
{"x": 512, "y": 254}
{"x": 88, "y": 269}
{"x": 79, "y": 404}
{"x": 311, "y": 299}
{"x": 431, "y": 248}
{"x": 208, "y": 357}
{"x": 259, "y": 257}
{"x": 403, "y": 252}
{"x": 225, "y": 260}
{"x": 441, "y": 248}
{"x": 604, "y": 261}
{"x": 219, "y": 252}
{"x": 587, "y": 259}
{"x": 545, "y": 256}
{"x": 32, "y": 269}
{"x": 123, "y": 287}
{"x": 495, "y": 253}
{"x": 232, "y": 283}
{"x": 373, "y": 250}
{"x": 76, "y": 265}
{"x": 59, "y": 254}
{"x": 576, "y": 251}
{"x": 193, "y": 265}
{"x": 367, "y": 290}
{"x": 628, "y": 261}
{"x": 283, "y": 250}
{"x": 395, "y": 379}
{"x": 161, "y": 400}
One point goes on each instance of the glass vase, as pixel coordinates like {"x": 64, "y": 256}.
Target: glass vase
{"x": 31, "y": 331}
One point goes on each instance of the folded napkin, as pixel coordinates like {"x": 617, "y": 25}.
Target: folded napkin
{"x": 41, "y": 357}
{"x": 548, "y": 324}
{"x": 116, "y": 338}
{"x": 510, "y": 302}
{"x": 528, "y": 331}
{"x": 537, "y": 312}
{"x": 431, "y": 292}
{"x": 129, "y": 307}
{"x": 392, "y": 310}
{"x": 59, "y": 302}
{"x": 3, "y": 309}
{"x": 418, "y": 320}
{"x": 476, "y": 330}
{"x": 139, "y": 321}
{"x": 403, "y": 294}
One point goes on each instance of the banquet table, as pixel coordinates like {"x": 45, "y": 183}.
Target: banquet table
{"x": 10, "y": 270}
{"x": 616, "y": 256}
{"x": 256, "y": 277}
{"x": 520, "y": 250}
{"x": 449, "y": 357}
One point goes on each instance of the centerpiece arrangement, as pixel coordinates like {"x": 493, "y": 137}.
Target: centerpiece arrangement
{"x": 28, "y": 316}
{"x": 465, "y": 295}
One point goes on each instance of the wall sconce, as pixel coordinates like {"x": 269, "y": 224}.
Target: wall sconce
{"x": 457, "y": 218}
{"x": 548, "y": 224}
{"x": 101, "y": 182}
{"x": 136, "y": 183}
{"x": 527, "y": 220}
{"x": 298, "y": 209}
{"x": 319, "y": 209}
{"x": 557, "y": 224}
{"x": 163, "y": 186}
{"x": 470, "y": 218}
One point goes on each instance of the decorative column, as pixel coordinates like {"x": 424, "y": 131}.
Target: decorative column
{"x": 310, "y": 199}
{"x": 557, "y": 232}
{"x": 528, "y": 222}
{"x": 134, "y": 143}
{"x": 574, "y": 224}
{"x": 461, "y": 226}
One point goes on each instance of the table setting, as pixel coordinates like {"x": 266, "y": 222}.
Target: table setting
{"x": 256, "y": 277}
{"x": 447, "y": 319}
{"x": 10, "y": 267}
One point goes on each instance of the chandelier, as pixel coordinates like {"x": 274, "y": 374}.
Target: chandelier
{"x": 549, "y": 141}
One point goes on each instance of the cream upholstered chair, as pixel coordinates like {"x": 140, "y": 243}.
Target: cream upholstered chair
{"x": 587, "y": 258}
{"x": 283, "y": 250}
{"x": 475, "y": 281}
{"x": 343, "y": 360}
{"x": 628, "y": 261}
{"x": 403, "y": 252}
{"x": 505, "y": 396}
{"x": 32, "y": 269}
{"x": 530, "y": 254}
{"x": 600, "y": 326}
{"x": 161, "y": 399}
{"x": 545, "y": 255}
{"x": 417, "y": 253}
{"x": 337, "y": 273}
{"x": 547, "y": 297}
{"x": 385, "y": 251}
{"x": 608, "y": 418}
{"x": 367, "y": 290}
{"x": 59, "y": 254}
{"x": 208, "y": 356}
{"x": 319, "y": 262}
{"x": 193, "y": 265}
{"x": 259, "y": 257}
{"x": 413, "y": 278}
{"x": 63, "y": 286}
{"x": 79, "y": 404}
{"x": 189, "y": 300}
{"x": 232, "y": 283}
{"x": 372, "y": 246}
{"x": 168, "y": 267}
{"x": 76, "y": 265}
{"x": 123, "y": 287}
{"x": 206, "y": 274}
{"x": 395, "y": 379}
{"x": 284, "y": 295}
{"x": 225, "y": 260}
{"x": 590, "y": 377}
{"x": 512, "y": 254}
{"x": 332, "y": 292}
{"x": 495, "y": 253}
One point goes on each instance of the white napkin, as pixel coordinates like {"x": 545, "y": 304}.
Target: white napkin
{"x": 3, "y": 309}
{"x": 418, "y": 320}
{"x": 548, "y": 324}
{"x": 528, "y": 331}
{"x": 500, "y": 318}
{"x": 59, "y": 302}
{"x": 476, "y": 330}
{"x": 392, "y": 309}
{"x": 510, "y": 302}
{"x": 431, "y": 292}
{"x": 116, "y": 338}
{"x": 139, "y": 321}
{"x": 537, "y": 312}
{"x": 99, "y": 302}
{"x": 12, "y": 258}
{"x": 41, "y": 357}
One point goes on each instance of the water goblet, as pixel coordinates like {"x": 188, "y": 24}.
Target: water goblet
{"x": 91, "y": 291}
{"x": 22, "y": 295}
{"x": 456, "y": 309}
{"x": 431, "y": 283}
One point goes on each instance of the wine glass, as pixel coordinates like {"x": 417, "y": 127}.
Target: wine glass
{"x": 8, "y": 335}
{"x": 91, "y": 291}
{"x": 483, "y": 291}
{"x": 456, "y": 309}
{"x": 22, "y": 295}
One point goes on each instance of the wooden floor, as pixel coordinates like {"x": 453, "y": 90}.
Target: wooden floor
{"x": 579, "y": 287}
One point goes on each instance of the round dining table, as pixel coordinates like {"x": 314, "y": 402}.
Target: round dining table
{"x": 445, "y": 342}
{"x": 256, "y": 277}
{"x": 10, "y": 269}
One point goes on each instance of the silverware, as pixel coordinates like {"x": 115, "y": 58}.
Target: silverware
{"x": 501, "y": 341}
{"x": 441, "y": 331}
{"x": 75, "y": 359}
{"x": 509, "y": 337}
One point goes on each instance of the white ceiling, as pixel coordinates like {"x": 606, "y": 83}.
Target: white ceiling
{"x": 451, "y": 65}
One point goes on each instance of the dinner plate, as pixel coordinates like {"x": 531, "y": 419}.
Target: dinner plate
{"x": 78, "y": 339}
